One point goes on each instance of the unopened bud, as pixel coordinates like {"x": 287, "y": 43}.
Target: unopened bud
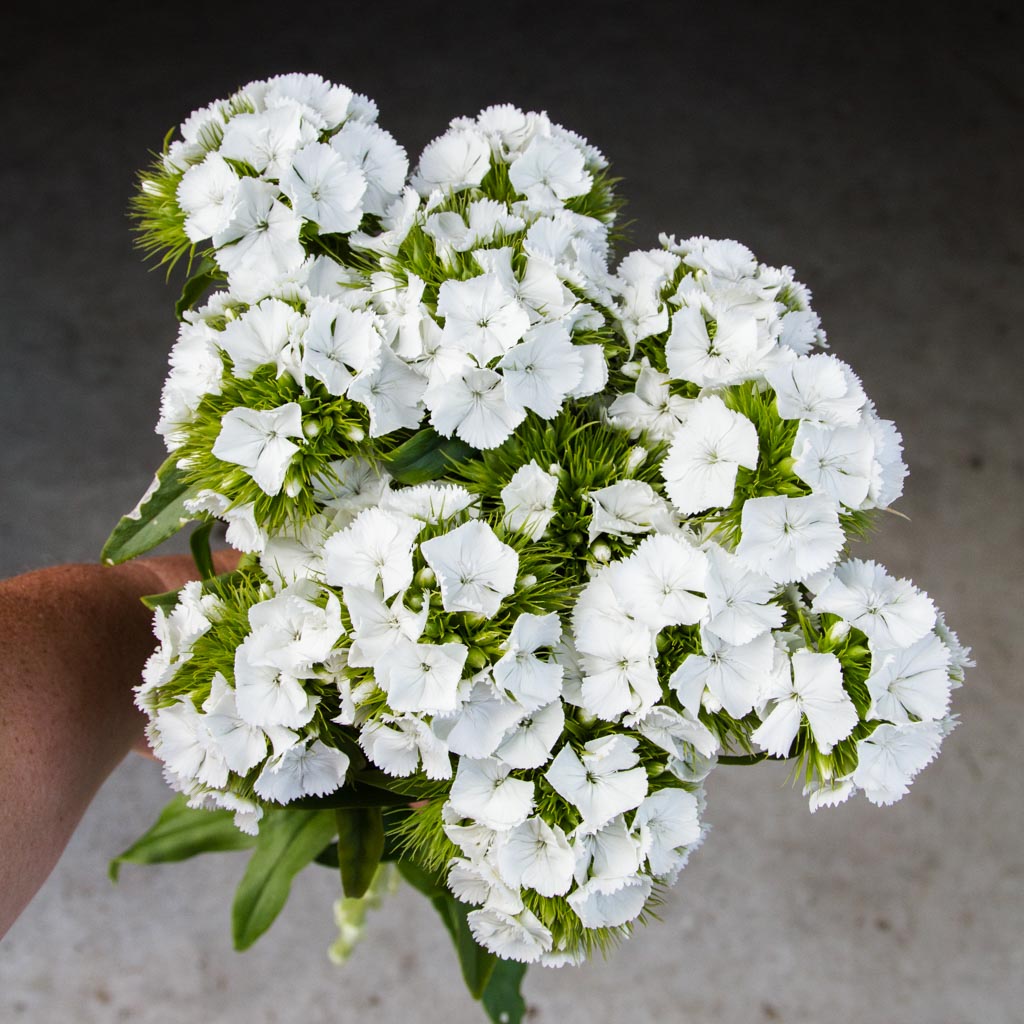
{"x": 601, "y": 552}
{"x": 631, "y": 370}
{"x": 355, "y": 433}
{"x": 425, "y": 577}
{"x": 636, "y": 458}
{"x": 527, "y": 581}
{"x": 311, "y": 427}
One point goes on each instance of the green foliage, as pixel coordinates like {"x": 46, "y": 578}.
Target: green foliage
{"x": 181, "y": 832}
{"x": 160, "y": 514}
{"x": 360, "y": 847}
{"x": 159, "y": 221}
{"x": 197, "y": 286}
{"x": 335, "y": 429}
{"x": 288, "y": 840}
{"x": 427, "y": 456}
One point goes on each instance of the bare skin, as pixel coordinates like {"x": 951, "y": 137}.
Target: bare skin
{"x": 73, "y": 640}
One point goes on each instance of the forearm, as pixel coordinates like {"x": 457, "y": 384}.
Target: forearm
{"x": 73, "y": 640}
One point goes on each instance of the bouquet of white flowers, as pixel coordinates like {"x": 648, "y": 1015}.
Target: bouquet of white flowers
{"x": 531, "y": 542}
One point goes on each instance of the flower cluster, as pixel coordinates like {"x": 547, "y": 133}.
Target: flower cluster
{"x": 532, "y": 537}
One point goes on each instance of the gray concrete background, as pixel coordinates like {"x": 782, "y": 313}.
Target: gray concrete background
{"x": 882, "y": 158}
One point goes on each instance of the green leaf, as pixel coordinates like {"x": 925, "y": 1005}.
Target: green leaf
{"x": 199, "y": 543}
{"x": 182, "y": 832}
{"x": 159, "y": 514}
{"x": 426, "y": 456}
{"x": 166, "y": 600}
{"x": 360, "y": 847}
{"x": 502, "y": 998}
{"x": 288, "y": 841}
{"x": 194, "y": 288}
{"x": 477, "y": 963}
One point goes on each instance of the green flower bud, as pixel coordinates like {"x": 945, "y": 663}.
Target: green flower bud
{"x": 425, "y": 577}
{"x": 600, "y": 552}
{"x": 311, "y": 427}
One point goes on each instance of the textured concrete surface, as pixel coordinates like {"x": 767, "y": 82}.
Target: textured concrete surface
{"x": 881, "y": 158}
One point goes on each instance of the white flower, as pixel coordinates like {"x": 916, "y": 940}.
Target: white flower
{"x": 324, "y": 188}
{"x": 480, "y": 721}
{"x": 627, "y": 507}
{"x": 739, "y": 601}
{"x": 819, "y": 388}
{"x": 607, "y": 781}
{"x": 377, "y": 627}
{"x": 475, "y": 570}
{"x": 531, "y": 680}
{"x": 890, "y": 612}
{"x": 381, "y": 159}
{"x": 484, "y": 791}
{"x": 261, "y": 241}
{"x": 601, "y": 904}
{"x": 473, "y": 405}
{"x": 838, "y": 462}
{"x": 727, "y": 676}
{"x": 889, "y": 469}
{"x": 265, "y": 695}
{"x": 351, "y": 485}
{"x": 549, "y": 172}
{"x": 267, "y": 140}
{"x": 789, "y": 539}
{"x": 662, "y": 582}
{"x": 519, "y": 937}
{"x": 814, "y": 691}
{"x": 542, "y": 370}
{"x": 667, "y": 822}
{"x": 479, "y": 882}
{"x": 529, "y": 500}
{"x": 265, "y": 334}
{"x": 377, "y": 545}
{"x": 481, "y": 317}
{"x": 300, "y": 632}
{"x": 305, "y": 770}
{"x": 530, "y": 743}
{"x": 176, "y": 632}
{"x": 828, "y": 793}
{"x": 693, "y": 355}
{"x": 397, "y": 745}
{"x": 650, "y": 407}
{"x": 241, "y": 745}
{"x": 206, "y": 193}
{"x": 182, "y": 742}
{"x": 610, "y": 853}
{"x": 243, "y": 533}
{"x": 678, "y": 734}
{"x": 432, "y": 503}
{"x": 392, "y": 391}
{"x": 297, "y": 552}
{"x": 258, "y": 442}
{"x": 457, "y": 160}
{"x": 909, "y": 681}
{"x": 599, "y": 612}
{"x": 619, "y": 671}
{"x": 537, "y": 856}
{"x": 421, "y": 677}
{"x": 706, "y": 453}
{"x": 338, "y": 343}
{"x": 890, "y": 758}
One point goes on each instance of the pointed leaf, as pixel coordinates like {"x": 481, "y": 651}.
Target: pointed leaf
{"x": 181, "y": 832}
{"x": 199, "y": 543}
{"x": 427, "y": 456}
{"x": 360, "y": 847}
{"x": 288, "y": 841}
{"x": 196, "y": 286}
{"x": 159, "y": 514}
{"x": 502, "y": 998}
